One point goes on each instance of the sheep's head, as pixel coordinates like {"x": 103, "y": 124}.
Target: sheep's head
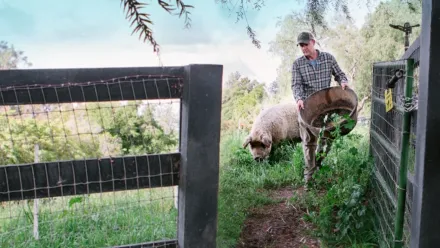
{"x": 260, "y": 148}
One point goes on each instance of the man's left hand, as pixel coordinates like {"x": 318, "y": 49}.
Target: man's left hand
{"x": 344, "y": 85}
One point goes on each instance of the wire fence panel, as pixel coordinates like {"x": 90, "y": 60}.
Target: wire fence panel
{"x": 386, "y": 149}
{"x": 88, "y": 161}
{"x": 413, "y": 52}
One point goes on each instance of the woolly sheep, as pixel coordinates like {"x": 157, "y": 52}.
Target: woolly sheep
{"x": 275, "y": 124}
{"x": 272, "y": 125}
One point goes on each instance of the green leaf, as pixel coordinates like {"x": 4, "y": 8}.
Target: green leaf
{"x": 349, "y": 125}
{"x": 75, "y": 200}
{"x": 353, "y": 151}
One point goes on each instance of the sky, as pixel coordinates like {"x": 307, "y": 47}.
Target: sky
{"x": 95, "y": 33}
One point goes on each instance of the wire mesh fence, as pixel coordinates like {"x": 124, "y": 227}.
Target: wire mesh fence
{"x": 89, "y": 164}
{"x": 386, "y": 147}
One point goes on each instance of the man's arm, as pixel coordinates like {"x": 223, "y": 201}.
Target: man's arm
{"x": 339, "y": 75}
{"x": 297, "y": 85}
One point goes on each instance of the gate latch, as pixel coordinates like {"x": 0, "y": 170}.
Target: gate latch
{"x": 398, "y": 74}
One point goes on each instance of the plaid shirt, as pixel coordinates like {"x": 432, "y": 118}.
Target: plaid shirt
{"x": 306, "y": 79}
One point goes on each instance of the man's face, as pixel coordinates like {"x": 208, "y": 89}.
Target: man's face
{"x": 307, "y": 49}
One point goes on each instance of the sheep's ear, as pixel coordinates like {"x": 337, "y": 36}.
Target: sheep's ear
{"x": 247, "y": 141}
{"x": 266, "y": 141}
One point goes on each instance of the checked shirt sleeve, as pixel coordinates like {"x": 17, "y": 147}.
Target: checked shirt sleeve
{"x": 297, "y": 85}
{"x": 337, "y": 72}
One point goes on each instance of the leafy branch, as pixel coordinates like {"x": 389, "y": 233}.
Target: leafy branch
{"x": 315, "y": 12}
{"x": 241, "y": 14}
{"x": 143, "y": 21}
{"x": 10, "y": 58}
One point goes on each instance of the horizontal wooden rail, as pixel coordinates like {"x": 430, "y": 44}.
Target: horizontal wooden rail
{"x": 154, "y": 244}
{"x": 48, "y": 86}
{"x": 77, "y": 177}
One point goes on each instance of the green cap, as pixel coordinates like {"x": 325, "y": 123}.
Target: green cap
{"x": 305, "y": 37}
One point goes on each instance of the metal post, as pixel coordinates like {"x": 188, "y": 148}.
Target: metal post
{"x": 425, "y": 222}
{"x": 407, "y": 29}
{"x": 199, "y": 167}
{"x": 401, "y": 189}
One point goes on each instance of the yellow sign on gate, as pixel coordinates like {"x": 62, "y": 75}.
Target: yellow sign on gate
{"x": 388, "y": 100}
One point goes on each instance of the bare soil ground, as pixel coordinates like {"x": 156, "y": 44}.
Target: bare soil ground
{"x": 277, "y": 225}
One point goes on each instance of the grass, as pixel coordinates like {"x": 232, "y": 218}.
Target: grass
{"x": 98, "y": 220}
{"x": 337, "y": 202}
{"x": 244, "y": 183}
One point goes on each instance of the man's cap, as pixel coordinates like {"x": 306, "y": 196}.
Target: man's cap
{"x": 305, "y": 37}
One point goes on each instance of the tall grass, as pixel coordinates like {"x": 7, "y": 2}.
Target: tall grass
{"x": 97, "y": 220}
{"x": 336, "y": 203}
{"x": 245, "y": 184}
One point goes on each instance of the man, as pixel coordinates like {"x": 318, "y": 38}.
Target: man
{"x": 310, "y": 73}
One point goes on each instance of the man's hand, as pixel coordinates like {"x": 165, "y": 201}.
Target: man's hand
{"x": 344, "y": 85}
{"x": 300, "y": 104}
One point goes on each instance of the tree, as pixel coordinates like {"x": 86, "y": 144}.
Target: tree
{"x": 355, "y": 49}
{"x": 381, "y": 42}
{"x": 284, "y": 45}
{"x": 137, "y": 131}
{"x": 10, "y": 58}
{"x": 347, "y": 44}
{"x": 315, "y": 11}
{"x": 233, "y": 78}
{"x": 241, "y": 101}
{"x": 274, "y": 88}
{"x": 19, "y": 135}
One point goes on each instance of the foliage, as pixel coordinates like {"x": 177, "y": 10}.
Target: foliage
{"x": 10, "y": 58}
{"x": 336, "y": 203}
{"x": 377, "y": 31}
{"x": 355, "y": 49}
{"x": 274, "y": 88}
{"x": 315, "y": 11}
{"x": 242, "y": 14}
{"x": 18, "y": 136}
{"x": 284, "y": 46}
{"x": 137, "y": 133}
{"x": 242, "y": 98}
{"x": 142, "y": 20}
{"x": 347, "y": 44}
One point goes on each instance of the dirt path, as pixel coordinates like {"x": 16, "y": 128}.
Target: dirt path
{"x": 276, "y": 225}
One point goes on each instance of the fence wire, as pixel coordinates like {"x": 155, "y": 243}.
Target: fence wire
{"x": 102, "y": 169}
{"x": 386, "y": 145}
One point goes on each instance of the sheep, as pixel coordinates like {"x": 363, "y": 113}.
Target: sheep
{"x": 271, "y": 126}
{"x": 276, "y": 124}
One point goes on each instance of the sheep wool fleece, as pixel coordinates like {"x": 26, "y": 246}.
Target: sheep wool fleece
{"x": 311, "y": 148}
